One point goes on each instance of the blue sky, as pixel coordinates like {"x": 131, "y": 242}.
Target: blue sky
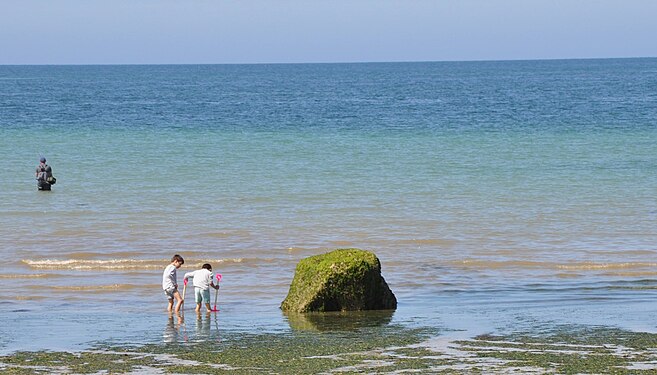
{"x": 281, "y": 31}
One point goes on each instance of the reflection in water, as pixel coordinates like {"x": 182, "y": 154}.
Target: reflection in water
{"x": 172, "y": 330}
{"x": 203, "y": 325}
{"x": 339, "y": 321}
{"x": 176, "y": 329}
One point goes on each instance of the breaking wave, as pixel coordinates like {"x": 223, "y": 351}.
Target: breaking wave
{"x": 94, "y": 288}
{"x": 606, "y": 266}
{"x": 574, "y": 266}
{"x": 115, "y": 264}
{"x": 28, "y": 276}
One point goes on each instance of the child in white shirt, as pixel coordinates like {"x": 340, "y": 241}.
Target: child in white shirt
{"x": 170, "y": 283}
{"x": 203, "y": 280}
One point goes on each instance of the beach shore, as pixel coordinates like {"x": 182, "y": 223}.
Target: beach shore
{"x": 389, "y": 349}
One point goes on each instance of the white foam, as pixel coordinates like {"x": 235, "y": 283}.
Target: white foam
{"x": 112, "y": 264}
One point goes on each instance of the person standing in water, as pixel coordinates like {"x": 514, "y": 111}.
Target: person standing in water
{"x": 44, "y": 175}
{"x": 170, "y": 283}
{"x": 203, "y": 280}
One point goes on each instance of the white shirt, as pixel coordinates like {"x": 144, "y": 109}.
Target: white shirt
{"x": 169, "y": 277}
{"x": 202, "y": 278}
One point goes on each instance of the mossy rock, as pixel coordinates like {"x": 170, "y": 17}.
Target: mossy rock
{"x": 342, "y": 280}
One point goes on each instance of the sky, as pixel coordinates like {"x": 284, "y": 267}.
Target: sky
{"x": 300, "y": 31}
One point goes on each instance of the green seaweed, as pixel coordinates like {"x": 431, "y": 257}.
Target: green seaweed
{"x": 570, "y": 350}
{"x": 377, "y": 349}
{"x": 296, "y": 353}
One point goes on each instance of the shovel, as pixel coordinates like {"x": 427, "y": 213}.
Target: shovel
{"x": 216, "y": 293}
{"x": 184, "y": 290}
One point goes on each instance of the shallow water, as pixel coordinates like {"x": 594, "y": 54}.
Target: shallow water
{"x": 494, "y": 193}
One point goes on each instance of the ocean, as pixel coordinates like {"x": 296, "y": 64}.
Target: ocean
{"x": 496, "y": 195}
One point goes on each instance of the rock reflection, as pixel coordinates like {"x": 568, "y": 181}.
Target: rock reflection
{"x": 339, "y": 320}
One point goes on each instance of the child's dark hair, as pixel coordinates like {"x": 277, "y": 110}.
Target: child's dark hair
{"x": 177, "y": 258}
{"x": 207, "y": 266}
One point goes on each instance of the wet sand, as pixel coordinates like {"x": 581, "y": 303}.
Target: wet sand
{"x": 388, "y": 349}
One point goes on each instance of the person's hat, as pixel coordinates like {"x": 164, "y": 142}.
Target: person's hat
{"x": 43, "y": 160}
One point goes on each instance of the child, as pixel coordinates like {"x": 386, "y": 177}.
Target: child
{"x": 170, "y": 283}
{"x": 203, "y": 280}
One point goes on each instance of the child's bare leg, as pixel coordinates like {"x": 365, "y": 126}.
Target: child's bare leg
{"x": 198, "y": 307}
{"x": 179, "y": 300}
{"x": 170, "y": 305}
{"x": 207, "y": 307}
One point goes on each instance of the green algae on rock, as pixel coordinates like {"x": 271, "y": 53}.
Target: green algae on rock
{"x": 342, "y": 280}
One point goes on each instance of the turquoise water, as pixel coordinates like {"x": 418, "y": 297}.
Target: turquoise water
{"x": 494, "y": 193}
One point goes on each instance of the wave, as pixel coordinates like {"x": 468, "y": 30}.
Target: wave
{"x": 633, "y": 274}
{"x": 573, "y": 266}
{"x": 30, "y": 298}
{"x": 606, "y": 266}
{"x": 94, "y": 288}
{"x": 116, "y": 264}
{"x": 426, "y": 241}
{"x": 99, "y": 254}
{"x": 229, "y": 234}
{"x": 29, "y": 276}
{"x": 492, "y": 264}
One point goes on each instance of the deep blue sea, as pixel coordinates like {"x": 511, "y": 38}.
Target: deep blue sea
{"x": 495, "y": 194}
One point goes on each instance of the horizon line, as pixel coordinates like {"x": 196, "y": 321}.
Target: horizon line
{"x": 336, "y": 62}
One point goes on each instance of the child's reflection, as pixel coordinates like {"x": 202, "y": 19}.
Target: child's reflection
{"x": 203, "y": 325}
{"x": 172, "y": 329}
